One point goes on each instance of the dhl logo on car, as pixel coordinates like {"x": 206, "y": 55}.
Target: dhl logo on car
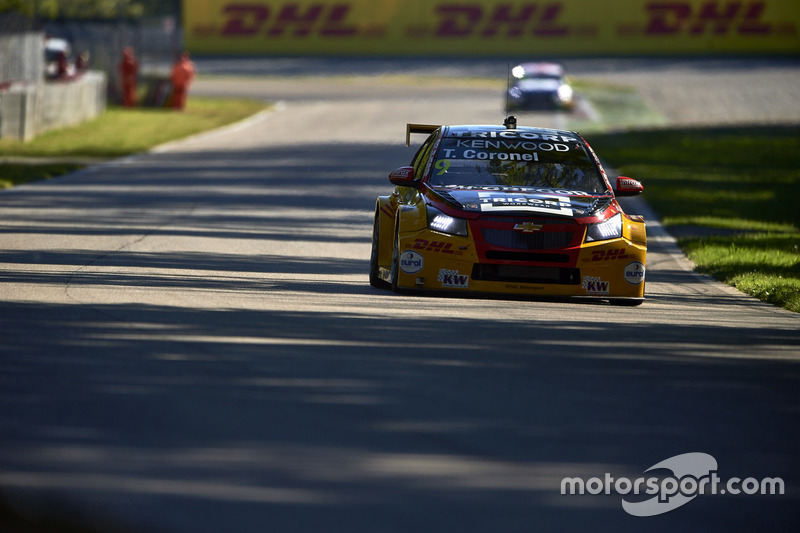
{"x": 437, "y": 246}
{"x": 608, "y": 255}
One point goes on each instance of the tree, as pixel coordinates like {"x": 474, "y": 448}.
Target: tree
{"x": 79, "y": 9}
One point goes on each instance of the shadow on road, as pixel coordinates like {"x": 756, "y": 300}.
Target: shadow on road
{"x": 400, "y": 413}
{"x": 303, "y": 417}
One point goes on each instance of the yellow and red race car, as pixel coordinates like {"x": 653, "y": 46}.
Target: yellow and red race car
{"x": 507, "y": 209}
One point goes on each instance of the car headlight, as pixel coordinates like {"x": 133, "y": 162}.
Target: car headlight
{"x": 608, "y": 229}
{"x": 438, "y": 221}
{"x": 565, "y": 93}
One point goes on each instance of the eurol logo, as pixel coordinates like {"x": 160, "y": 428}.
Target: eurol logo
{"x": 411, "y": 262}
{"x": 634, "y": 273}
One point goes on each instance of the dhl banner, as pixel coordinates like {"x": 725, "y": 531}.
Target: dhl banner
{"x": 491, "y": 27}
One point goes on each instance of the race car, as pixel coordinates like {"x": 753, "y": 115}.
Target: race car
{"x": 508, "y": 210}
{"x": 539, "y": 86}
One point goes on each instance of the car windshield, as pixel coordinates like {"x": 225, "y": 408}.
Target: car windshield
{"x": 538, "y": 84}
{"x": 516, "y": 159}
{"x": 539, "y": 77}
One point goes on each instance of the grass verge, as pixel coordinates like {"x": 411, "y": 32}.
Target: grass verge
{"x": 12, "y": 174}
{"x": 118, "y": 132}
{"x": 732, "y": 195}
{"x": 616, "y": 106}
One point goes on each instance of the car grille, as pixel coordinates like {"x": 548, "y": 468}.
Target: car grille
{"x": 503, "y": 255}
{"x": 538, "y": 240}
{"x": 526, "y": 274}
{"x": 534, "y": 100}
{"x": 515, "y": 220}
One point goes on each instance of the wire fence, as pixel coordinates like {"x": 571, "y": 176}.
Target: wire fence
{"x": 21, "y": 57}
{"x": 156, "y": 42}
{"x": 42, "y": 85}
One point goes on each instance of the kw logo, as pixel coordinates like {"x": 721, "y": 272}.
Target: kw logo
{"x": 594, "y": 285}
{"x": 453, "y": 278}
{"x": 528, "y": 227}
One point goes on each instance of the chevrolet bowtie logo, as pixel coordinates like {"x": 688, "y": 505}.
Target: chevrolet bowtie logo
{"x": 528, "y": 227}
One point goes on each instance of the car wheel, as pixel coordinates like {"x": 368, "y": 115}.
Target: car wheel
{"x": 396, "y": 257}
{"x": 374, "y": 280}
{"x": 627, "y": 302}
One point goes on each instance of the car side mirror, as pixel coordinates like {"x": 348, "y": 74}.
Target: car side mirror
{"x": 403, "y": 177}
{"x": 628, "y": 187}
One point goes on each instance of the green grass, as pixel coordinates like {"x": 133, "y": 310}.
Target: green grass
{"x": 16, "y": 174}
{"x": 121, "y": 131}
{"x": 616, "y": 106}
{"x": 764, "y": 265}
{"x": 118, "y": 132}
{"x": 743, "y": 181}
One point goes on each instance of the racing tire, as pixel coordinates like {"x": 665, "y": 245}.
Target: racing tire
{"x": 626, "y": 302}
{"x": 374, "y": 280}
{"x": 396, "y": 258}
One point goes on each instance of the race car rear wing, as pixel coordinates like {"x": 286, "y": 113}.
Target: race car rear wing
{"x": 419, "y": 128}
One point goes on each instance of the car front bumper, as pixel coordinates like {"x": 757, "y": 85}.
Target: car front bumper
{"x": 433, "y": 261}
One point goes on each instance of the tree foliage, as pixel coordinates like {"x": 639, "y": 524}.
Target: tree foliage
{"x": 90, "y": 9}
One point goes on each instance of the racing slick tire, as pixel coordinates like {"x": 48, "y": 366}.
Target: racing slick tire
{"x": 396, "y": 258}
{"x": 626, "y": 302}
{"x": 374, "y": 280}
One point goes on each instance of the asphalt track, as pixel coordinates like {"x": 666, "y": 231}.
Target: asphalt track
{"x": 190, "y": 344}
